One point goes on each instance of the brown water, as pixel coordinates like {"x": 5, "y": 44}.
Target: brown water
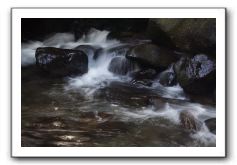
{"x": 116, "y": 115}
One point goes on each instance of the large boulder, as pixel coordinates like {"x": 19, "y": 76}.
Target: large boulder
{"x": 196, "y": 35}
{"x": 196, "y": 75}
{"x": 61, "y": 62}
{"x": 152, "y": 56}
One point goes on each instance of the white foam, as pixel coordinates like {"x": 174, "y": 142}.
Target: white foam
{"x": 173, "y": 92}
{"x": 204, "y": 136}
{"x": 66, "y": 41}
{"x": 28, "y": 52}
{"x": 148, "y": 112}
{"x": 59, "y": 39}
{"x": 97, "y": 37}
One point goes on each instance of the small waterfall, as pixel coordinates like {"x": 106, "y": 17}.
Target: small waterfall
{"x": 65, "y": 41}
{"x": 121, "y": 65}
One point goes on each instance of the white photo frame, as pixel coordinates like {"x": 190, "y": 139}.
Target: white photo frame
{"x": 218, "y": 13}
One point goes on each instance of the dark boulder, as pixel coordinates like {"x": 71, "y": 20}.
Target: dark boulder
{"x": 189, "y": 122}
{"x": 211, "y": 125}
{"x": 143, "y": 77}
{"x": 167, "y": 78}
{"x": 195, "y": 35}
{"x": 61, "y": 62}
{"x": 121, "y": 65}
{"x": 196, "y": 75}
{"x": 152, "y": 56}
{"x": 144, "y": 74}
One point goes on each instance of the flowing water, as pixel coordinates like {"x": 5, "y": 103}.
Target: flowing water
{"x": 100, "y": 108}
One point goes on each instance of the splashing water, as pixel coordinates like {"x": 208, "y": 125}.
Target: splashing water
{"x": 66, "y": 41}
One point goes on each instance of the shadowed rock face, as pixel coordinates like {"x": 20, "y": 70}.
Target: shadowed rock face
{"x": 143, "y": 77}
{"x": 211, "y": 125}
{"x": 61, "y": 62}
{"x": 152, "y": 55}
{"x": 191, "y": 35}
{"x": 196, "y": 75}
{"x": 167, "y": 78}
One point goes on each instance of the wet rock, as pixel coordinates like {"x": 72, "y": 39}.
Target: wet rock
{"x": 167, "y": 78}
{"x": 152, "y": 56}
{"x": 144, "y": 74}
{"x": 145, "y": 82}
{"x": 121, "y": 65}
{"x": 61, "y": 62}
{"x": 196, "y": 75}
{"x": 195, "y": 35}
{"x": 211, "y": 125}
{"x": 143, "y": 77}
{"x": 189, "y": 122}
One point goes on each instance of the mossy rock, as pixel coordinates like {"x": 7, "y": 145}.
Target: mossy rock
{"x": 194, "y": 35}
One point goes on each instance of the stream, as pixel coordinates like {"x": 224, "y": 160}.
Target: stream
{"x": 101, "y": 108}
